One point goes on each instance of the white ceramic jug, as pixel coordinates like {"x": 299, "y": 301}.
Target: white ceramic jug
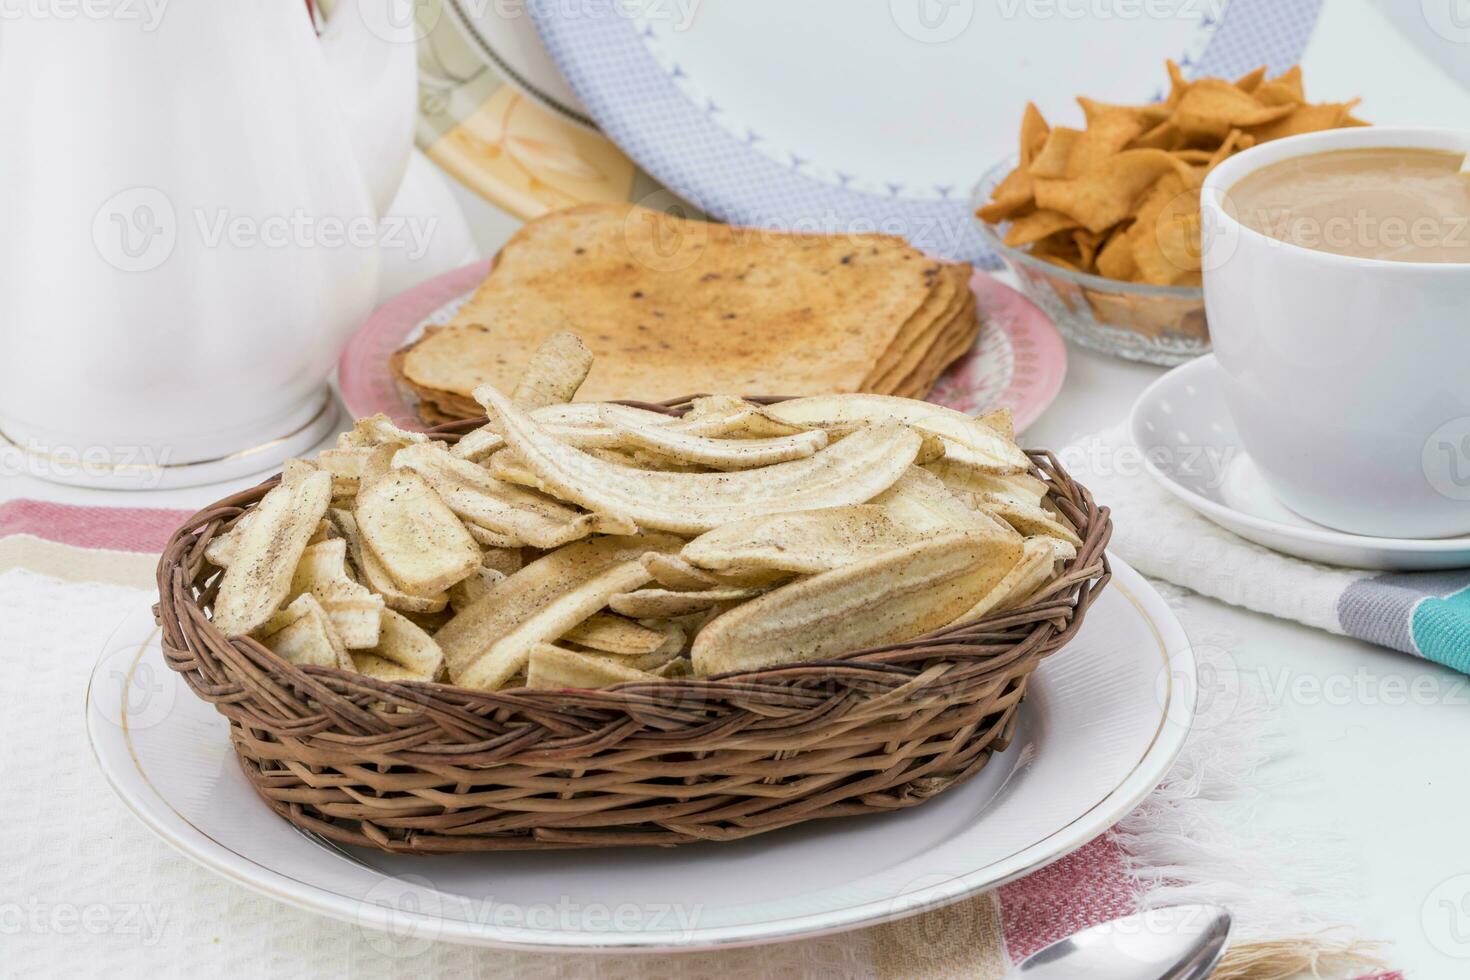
{"x": 189, "y": 202}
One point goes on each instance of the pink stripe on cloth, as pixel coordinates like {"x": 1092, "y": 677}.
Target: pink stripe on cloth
{"x": 1088, "y": 886}
{"x": 114, "y": 528}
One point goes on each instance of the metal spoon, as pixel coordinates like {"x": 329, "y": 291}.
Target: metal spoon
{"x": 1180, "y": 942}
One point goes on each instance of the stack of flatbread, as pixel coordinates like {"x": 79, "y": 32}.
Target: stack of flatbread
{"x": 673, "y": 307}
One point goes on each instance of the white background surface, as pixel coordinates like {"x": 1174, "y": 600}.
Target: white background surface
{"x": 1386, "y": 775}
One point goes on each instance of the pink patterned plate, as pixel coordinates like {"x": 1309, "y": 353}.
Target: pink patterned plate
{"x": 1019, "y": 360}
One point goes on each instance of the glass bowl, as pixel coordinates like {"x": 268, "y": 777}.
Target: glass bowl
{"x": 1155, "y": 324}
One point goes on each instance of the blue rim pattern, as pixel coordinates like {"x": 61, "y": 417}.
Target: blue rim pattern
{"x": 642, "y": 108}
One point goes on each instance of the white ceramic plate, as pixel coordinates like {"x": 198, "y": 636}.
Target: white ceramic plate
{"x": 1102, "y": 722}
{"x": 1190, "y": 446}
{"x": 505, "y": 36}
{"x": 839, "y": 116}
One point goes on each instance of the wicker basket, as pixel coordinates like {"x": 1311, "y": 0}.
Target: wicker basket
{"x": 432, "y": 768}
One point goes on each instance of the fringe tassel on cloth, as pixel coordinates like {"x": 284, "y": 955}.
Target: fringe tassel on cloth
{"x": 1195, "y": 840}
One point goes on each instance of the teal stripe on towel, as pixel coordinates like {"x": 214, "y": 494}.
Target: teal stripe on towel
{"x": 1442, "y": 630}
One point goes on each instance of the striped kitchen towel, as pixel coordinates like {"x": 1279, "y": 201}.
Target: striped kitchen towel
{"x": 68, "y": 575}
{"x": 1426, "y": 614}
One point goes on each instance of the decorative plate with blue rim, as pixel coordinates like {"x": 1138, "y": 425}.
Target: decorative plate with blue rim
{"x": 877, "y": 115}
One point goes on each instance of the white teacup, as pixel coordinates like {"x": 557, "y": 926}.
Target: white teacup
{"x": 1348, "y": 378}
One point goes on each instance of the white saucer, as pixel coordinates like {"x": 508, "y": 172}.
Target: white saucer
{"x": 1190, "y": 446}
{"x": 1102, "y": 722}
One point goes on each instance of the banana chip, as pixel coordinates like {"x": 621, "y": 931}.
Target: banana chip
{"x": 498, "y": 540}
{"x": 854, "y": 470}
{"x": 353, "y": 609}
{"x": 373, "y": 665}
{"x": 404, "y": 644}
{"x": 302, "y": 634}
{"x": 468, "y": 591}
{"x": 514, "y": 513}
{"x": 472, "y": 632}
{"x": 614, "y": 634}
{"x": 377, "y": 430}
{"x": 664, "y": 603}
{"x": 1021, "y": 489}
{"x": 507, "y": 656}
{"x": 421, "y": 544}
{"x": 719, "y": 454}
{"x": 1029, "y": 574}
{"x": 892, "y": 597}
{"x": 264, "y": 557}
{"x": 555, "y": 372}
{"x": 377, "y": 576}
{"x": 805, "y": 544}
{"x": 966, "y": 440}
{"x": 674, "y": 572}
{"x": 921, "y": 502}
{"x": 557, "y": 668}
